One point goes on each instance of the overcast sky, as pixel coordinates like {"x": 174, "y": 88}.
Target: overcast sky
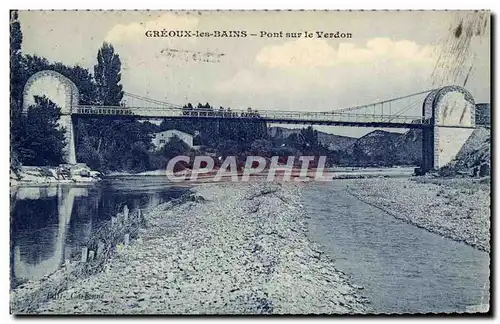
{"x": 390, "y": 54}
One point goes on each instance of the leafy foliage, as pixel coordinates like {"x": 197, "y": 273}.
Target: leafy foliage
{"x": 107, "y": 74}
{"x": 42, "y": 141}
{"x": 213, "y": 133}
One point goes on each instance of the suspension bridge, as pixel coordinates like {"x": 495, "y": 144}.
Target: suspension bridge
{"x": 446, "y": 115}
{"x": 400, "y": 112}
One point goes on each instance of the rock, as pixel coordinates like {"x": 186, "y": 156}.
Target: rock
{"x": 300, "y": 254}
{"x": 484, "y": 170}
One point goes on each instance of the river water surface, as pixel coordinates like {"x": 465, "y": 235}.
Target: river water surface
{"x": 51, "y": 223}
{"x": 402, "y": 268}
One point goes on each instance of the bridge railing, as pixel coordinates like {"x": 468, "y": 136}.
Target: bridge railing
{"x": 159, "y": 112}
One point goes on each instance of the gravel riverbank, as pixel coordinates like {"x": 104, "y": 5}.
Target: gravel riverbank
{"x": 236, "y": 249}
{"x": 455, "y": 208}
{"x": 65, "y": 173}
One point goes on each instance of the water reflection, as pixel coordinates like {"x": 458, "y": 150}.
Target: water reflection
{"x": 52, "y": 223}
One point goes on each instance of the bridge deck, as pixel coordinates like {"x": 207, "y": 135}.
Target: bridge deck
{"x": 271, "y": 116}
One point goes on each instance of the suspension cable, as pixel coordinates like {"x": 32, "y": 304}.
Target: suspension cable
{"x": 382, "y": 102}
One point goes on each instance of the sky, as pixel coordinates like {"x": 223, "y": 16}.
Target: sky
{"x": 390, "y": 54}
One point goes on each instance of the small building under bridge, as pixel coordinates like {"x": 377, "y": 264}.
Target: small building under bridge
{"x": 161, "y": 138}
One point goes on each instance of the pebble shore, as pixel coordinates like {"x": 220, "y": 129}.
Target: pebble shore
{"x": 455, "y": 208}
{"x": 234, "y": 249}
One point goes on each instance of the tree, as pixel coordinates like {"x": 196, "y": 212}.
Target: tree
{"x": 262, "y": 148}
{"x": 174, "y": 147}
{"x": 107, "y": 74}
{"x": 138, "y": 157}
{"x": 85, "y": 151}
{"x": 43, "y": 140}
{"x": 111, "y": 138}
{"x": 16, "y": 88}
{"x": 83, "y": 80}
{"x": 228, "y": 148}
{"x": 16, "y": 39}
{"x": 308, "y": 138}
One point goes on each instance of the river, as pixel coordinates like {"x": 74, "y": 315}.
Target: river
{"x": 51, "y": 223}
{"x": 403, "y": 268}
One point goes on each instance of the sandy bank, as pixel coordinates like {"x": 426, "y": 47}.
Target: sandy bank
{"x": 455, "y": 208}
{"x": 236, "y": 249}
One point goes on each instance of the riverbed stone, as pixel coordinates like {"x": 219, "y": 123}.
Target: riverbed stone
{"x": 221, "y": 258}
{"x": 455, "y": 208}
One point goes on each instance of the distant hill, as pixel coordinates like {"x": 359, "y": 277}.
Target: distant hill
{"x": 408, "y": 148}
{"x": 335, "y": 142}
{"x": 375, "y": 148}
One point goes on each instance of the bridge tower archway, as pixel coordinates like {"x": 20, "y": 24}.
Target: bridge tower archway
{"x": 64, "y": 93}
{"x": 451, "y": 111}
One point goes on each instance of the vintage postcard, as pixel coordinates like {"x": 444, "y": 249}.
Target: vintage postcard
{"x": 250, "y": 162}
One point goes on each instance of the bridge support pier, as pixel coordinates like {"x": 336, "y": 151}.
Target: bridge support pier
{"x": 61, "y": 91}
{"x": 451, "y": 112}
{"x": 427, "y": 150}
{"x": 66, "y": 121}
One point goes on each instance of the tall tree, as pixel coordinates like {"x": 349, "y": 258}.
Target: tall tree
{"x": 16, "y": 39}
{"x": 16, "y": 88}
{"x": 112, "y": 141}
{"x": 107, "y": 74}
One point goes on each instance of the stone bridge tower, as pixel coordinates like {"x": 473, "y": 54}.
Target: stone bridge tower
{"x": 64, "y": 93}
{"x": 451, "y": 111}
